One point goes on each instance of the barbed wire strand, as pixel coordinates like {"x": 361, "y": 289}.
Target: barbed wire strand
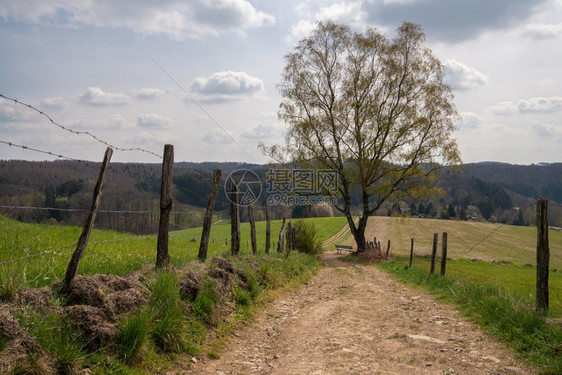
{"x": 76, "y": 131}
{"x": 11, "y": 144}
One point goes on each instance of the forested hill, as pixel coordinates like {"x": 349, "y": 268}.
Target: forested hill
{"x": 528, "y": 180}
{"x": 491, "y": 189}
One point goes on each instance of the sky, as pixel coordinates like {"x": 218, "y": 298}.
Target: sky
{"x": 203, "y": 74}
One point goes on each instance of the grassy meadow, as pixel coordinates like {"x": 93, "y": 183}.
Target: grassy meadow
{"x": 116, "y": 253}
{"x": 505, "y": 254}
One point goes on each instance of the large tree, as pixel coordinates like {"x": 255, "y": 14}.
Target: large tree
{"x": 375, "y": 110}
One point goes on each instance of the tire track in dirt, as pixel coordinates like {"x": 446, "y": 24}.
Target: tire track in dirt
{"x": 352, "y": 319}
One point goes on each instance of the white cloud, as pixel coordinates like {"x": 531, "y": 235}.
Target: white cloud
{"x": 96, "y": 96}
{"x": 117, "y": 121}
{"x": 54, "y": 103}
{"x": 154, "y": 121}
{"x": 11, "y": 112}
{"x": 228, "y": 85}
{"x": 265, "y": 131}
{"x": 349, "y": 13}
{"x": 217, "y": 137}
{"x": 470, "y": 120}
{"x": 540, "y": 105}
{"x": 547, "y": 130}
{"x": 174, "y": 18}
{"x": 542, "y": 31}
{"x": 532, "y": 105}
{"x": 504, "y": 108}
{"x": 462, "y": 77}
{"x": 147, "y": 93}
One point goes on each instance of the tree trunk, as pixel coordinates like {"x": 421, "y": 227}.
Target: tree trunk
{"x": 358, "y": 231}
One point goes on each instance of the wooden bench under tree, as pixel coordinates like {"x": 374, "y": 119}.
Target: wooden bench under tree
{"x": 340, "y": 248}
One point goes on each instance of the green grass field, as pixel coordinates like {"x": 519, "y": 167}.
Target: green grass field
{"x": 113, "y": 252}
{"x": 513, "y": 246}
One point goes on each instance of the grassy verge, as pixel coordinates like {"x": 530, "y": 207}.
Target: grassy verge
{"x": 517, "y": 281}
{"x": 501, "y": 315}
{"x": 174, "y": 324}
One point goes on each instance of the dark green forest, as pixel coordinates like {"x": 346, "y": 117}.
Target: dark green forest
{"x": 60, "y": 192}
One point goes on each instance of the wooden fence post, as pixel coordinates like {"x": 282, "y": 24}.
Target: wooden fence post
{"x": 543, "y": 255}
{"x": 234, "y": 220}
{"x": 411, "y": 251}
{"x": 253, "y": 229}
{"x": 387, "y": 249}
{"x": 208, "y": 221}
{"x": 267, "y": 228}
{"x": 72, "y": 268}
{"x": 280, "y": 243}
{"x": 443, "y": 253}
{"x": 166, "y": 205}
{"x": 434, "y": 253}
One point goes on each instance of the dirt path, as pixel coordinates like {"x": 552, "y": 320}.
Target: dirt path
{"x": 353, "y": 319}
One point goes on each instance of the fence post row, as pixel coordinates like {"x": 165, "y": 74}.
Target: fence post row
{"x": 72, "y": 268}
{"x": 166, "y": 205}
{"x": 434, "y": 253}
{"x": 208, "y": 221}
{"x": 543, "y": 255}
{"x": 234, "y": 220}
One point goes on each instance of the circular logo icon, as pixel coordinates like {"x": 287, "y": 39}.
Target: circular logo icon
{"x": 248, "y": 187}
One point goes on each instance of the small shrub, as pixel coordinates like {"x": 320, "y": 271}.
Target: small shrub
{"x": 242, "y": 297}
{"x": 10, "y": 282}
{"x": 205, "y": 303}
{"x": 306, "y": 238}
{"x": 134, "y": 333}
{"x": 56, "y": 337}
{"x": 167, "y": 313}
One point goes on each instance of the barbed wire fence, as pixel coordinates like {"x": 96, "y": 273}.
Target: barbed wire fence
{"x": 135, "y": 173}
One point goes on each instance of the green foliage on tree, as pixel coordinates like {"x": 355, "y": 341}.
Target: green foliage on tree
{"x": 377, "y": 111}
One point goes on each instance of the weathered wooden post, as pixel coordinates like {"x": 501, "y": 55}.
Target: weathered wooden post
{"x": 443, "y": 253}
{"x": 72, "y": 268}
{"x": 543, "y": 255}
{"x": 411, "y": 251}
{"x": 387, "y": 249}
{"x": 234, "y": 220}
{"x": 253, "y": 229}
{"x": 208, "y": 221}
{"x": 434, "y": 253}
{"x": 166, "y": 205}
{"x": 267, "y": 228}
{"x": 280, "y": 243}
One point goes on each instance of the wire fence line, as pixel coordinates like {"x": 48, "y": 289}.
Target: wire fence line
{"x": 76, "y": 131}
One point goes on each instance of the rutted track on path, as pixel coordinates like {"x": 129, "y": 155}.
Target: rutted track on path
{"x": 352, "y": 319}
{"x": 338, "y": 236}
